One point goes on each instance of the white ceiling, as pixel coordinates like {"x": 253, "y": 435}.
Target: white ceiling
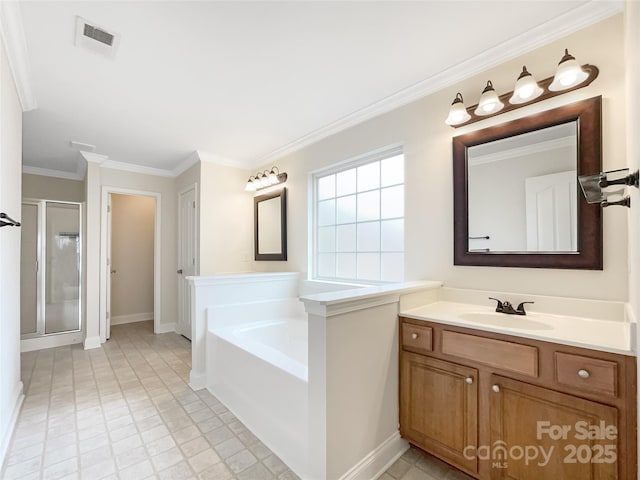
{"x": 240, "y": 80}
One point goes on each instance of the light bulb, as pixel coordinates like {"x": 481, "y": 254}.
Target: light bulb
{"x": 457, "y": 113}
{"x": 489, "y": 102}
{"x": 526, "y": 88}
{"x": 568, "y": 74}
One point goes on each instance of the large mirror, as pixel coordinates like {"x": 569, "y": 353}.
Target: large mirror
{"x": 516, "y": 199}
{"x": 270, "y": 225}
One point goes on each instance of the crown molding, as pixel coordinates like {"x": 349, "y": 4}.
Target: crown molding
{"x": 48, "y": 172}
{"x": 186, "y": 164}
{"x": 555, "y": 29}
{"x": 219, "y": 160}
{"x": 94, "y": 157}
{"x": 15, "y": 43}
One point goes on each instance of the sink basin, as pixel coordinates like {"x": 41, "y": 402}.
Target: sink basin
{"x": 517, "y": 322}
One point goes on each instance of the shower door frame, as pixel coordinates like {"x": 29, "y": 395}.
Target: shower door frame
{"x": 41, "y": 241}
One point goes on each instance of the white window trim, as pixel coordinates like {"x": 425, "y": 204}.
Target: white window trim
{"x": 369, "y": 157}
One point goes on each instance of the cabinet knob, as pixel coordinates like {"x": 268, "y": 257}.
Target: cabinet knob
{"x": 583, "y": 374}
{"x": 469, "y": 380}
{"x": 496, "y": 388}
{"x": 414, "y": 335}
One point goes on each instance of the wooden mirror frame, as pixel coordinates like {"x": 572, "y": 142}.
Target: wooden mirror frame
{"x": 587, "y": 114}
{"x": 282, "y": 193}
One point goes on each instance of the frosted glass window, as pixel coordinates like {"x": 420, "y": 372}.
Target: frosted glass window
{"x": 327, "y": 187}
{"x": 392, "y": 235}
{"x": 346, "y": 182}
{"x": 369, "y": 237}
{"x": 368, "y": 266}
{"x": 327, "y": 239}
{"x": 327, "y": 264}
{"x": 392, "y": 202}
{"x": 369, "y": 206}
{"x": 346, "y": 238}
{"x": 346, "y": 209}
{"x": 327, "y": 212}
{"x": 392, "y": 267}
{"x": 346, "y": 265}
{"x": 392, "y": 171}
{"x": 369, "y": 176}
{"x": 359, "y": 219}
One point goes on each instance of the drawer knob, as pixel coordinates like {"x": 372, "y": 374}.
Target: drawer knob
{"x": 414, "y": 335}
{"x": 496, "y": 388}
{"x": 583, "y": 374}
{"x": 469, "y": 380}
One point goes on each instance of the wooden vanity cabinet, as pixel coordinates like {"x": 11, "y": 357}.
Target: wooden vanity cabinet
{"x": 462, "y": 389}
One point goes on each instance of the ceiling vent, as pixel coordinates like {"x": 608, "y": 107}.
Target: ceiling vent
{"x": 95, "y": 38}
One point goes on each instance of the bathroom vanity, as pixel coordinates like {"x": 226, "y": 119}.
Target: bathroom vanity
{"x": 519, "y": 397}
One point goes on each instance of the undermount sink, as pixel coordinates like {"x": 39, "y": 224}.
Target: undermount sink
{"x": 503, "y": 320}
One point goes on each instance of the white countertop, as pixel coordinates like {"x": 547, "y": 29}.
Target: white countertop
{"x": 605, "y": 335}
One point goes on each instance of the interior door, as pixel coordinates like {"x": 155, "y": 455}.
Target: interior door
{"x": 110, "y": 270}
{"x": 187, "y": 255}
{"x": 551, "y": 202}
{"x": 29, "y": 258}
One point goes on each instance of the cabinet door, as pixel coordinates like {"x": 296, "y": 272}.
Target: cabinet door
{"x": 439, "y": 408}
{"x": 578, "y": 436}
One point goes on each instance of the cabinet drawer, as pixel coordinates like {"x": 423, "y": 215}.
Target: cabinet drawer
{"x": 508, "y": 356}
{"x": 585, "y": 373}
{"x": 417, "y": 337}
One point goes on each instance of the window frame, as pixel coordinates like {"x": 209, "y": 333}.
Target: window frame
{"x": 313, "y": 227}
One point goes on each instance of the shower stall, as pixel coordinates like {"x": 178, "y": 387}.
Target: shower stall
{"x": 50, "y": 271}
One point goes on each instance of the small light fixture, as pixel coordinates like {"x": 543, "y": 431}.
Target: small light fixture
{"x": 568, "y": 74}
{"x": 457, "y": 113}
{"x": 265, "y": 179}
{"x": 526, "y": 88}
{"x": 489, "y": 102}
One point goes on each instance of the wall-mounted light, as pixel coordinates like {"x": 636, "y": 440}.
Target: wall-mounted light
{"x": 569, "y": 76}
{"x": 593, "y": 187}
{"x": 526, "y": 88}
{"x": 457, "y": 112}
{"x": 489, "y": 102}
{"x": 265, "y": 179}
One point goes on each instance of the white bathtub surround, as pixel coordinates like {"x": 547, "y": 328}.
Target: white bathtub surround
{"x": 206, "y": 292}
{"x": 323, "y": 397}
{"x": 595, "y": 324}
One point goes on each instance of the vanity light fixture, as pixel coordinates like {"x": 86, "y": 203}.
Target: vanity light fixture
{"x": 526, "y": 88}
{"x": 265, "y": 179}
{"x": 458, "y": 112}
{"x": 569, "y": 76}
{"x": 489, "y": 101}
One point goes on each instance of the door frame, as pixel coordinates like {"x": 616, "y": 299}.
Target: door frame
{"x": 157, "y": 249}
{"x": 196, "y": 233}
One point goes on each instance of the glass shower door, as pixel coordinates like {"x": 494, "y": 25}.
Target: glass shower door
{"x": 62, "y": 283}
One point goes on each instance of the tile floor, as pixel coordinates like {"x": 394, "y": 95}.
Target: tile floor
{"x": 126, "y": 412}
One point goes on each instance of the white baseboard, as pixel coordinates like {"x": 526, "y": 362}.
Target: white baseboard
{"x": 131, "y": 318}
{"x": 50, "y": 341}
{"x": 5, "y": 439}
{"x": 92, "y": 342}
{"x": 165, "y": 328}
{"x": 197, "y": 381}
{"x": 379, "y": 460}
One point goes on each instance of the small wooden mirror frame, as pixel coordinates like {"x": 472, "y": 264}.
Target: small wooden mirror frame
{"x": 282, "y": 255}
{"x": 587, "y": 114}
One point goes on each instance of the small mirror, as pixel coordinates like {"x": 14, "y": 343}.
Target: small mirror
{"x": 270, "y": 225}
{"x": 516, "y": 199}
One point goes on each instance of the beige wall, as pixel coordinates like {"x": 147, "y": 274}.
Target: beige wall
{"x": 132, "y": 232}
{"x": 50, "y": 188}
{"x": 226, "y": 220}
{"x": 420, "y": 127}
{"x": 10, "y": 199}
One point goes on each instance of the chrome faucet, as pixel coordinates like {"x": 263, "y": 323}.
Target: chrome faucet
{"x": 507, "y": 308}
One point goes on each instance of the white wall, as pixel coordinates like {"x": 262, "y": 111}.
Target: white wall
{"x": 51, "y": 188}
{"x": 226, "y": 220}
{"x": 420, "y": 127}
{"x": 10, "y": 200}
{"x": 132, "y": 232}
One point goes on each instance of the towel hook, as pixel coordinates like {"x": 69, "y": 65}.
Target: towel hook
{"x": 10, "y": 222}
